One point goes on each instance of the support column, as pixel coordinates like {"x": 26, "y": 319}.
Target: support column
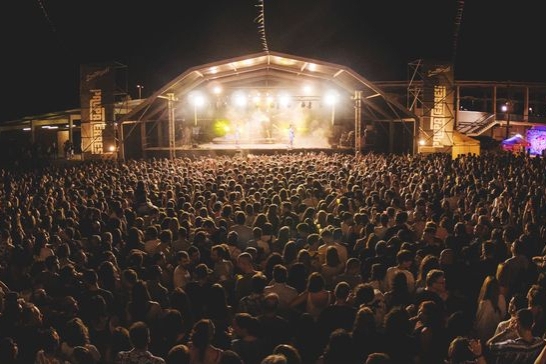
{"x": 358, "y": 122}
{"x": 172, "y": 142}
{"x": 121, "y": 143}
{"x": 526, "y": 105}
{"x": 32, "y": 132}
{"x": 457, "y": 106}
{"x": 143, "y": 141}
{"x": 494, "y": 101}
{"x": 416, "y": 134}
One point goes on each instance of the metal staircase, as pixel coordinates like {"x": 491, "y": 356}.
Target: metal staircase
{"x": 479, "y": 126}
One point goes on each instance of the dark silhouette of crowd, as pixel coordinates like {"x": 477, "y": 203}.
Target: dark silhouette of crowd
{"x": 289, "y": 258}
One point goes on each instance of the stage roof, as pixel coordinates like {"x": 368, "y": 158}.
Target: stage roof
{"x": 271, "y": 70}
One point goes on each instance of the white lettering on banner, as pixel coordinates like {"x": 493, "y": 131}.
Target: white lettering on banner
{"x": 97, "y": 117}
{"x": 438, "y": 116}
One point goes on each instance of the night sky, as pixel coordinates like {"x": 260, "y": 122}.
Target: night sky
{"x": 45, "y": 42}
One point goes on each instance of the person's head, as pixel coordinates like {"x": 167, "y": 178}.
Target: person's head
{"x": 90, "y": 277}
{"x": 270, "y": 303}
{"x": 536, "y": 299}
{"x": 378, "y": 358}
{"x": 428, "y": 263}
{"x": 139, "y": 292}
{"x": 31, "y": 315}
{"x": 258, "y": 283}
{"x": 364, "y": 320}
{"x": 459, "y": 350}
{"x": 280, "y": 273}
{"x": 244, "y": 262}
{"x": 517, "y": 302}
{"x": 340, "y": 347}
{"x": 524, "y": 320}
{"x": 274, "y": 359}
{"x": 364, "y": 294}
{"x": 82, "y": 355}
{"x": 316, "y": 282}
{"x": 139, "y": 334}
{"x": 8, "y": 350}
{"x": 429, "y": 313}
{"x": 50, "y": 341}
{"x": 77, "y": 333}
{"x": 490, "y": 290}
{"x": 244, "y": 324}
{"x": 342, "y": 291}
{"x": 52, "y": 263}
{"x": 291, "y": 354}
{"x": 120, "y": 340}
{"x": 218, "y": 252}
{"x": 399, "y": 282}
{"x": 353, "y": 266}
{"x": 290, "y": 251}
{"x": 332, "y": 257}
{"x": 178, "y": 354}
{"x": 202, "y": 334}
{"x": 436, "y": 280}
{"x": 404, "y": 258}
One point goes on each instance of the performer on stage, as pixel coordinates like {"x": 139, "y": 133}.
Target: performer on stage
{"x": 291, "y": 135}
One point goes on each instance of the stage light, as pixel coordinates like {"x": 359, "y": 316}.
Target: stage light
{"x": 197, "y": 99}
{"x": 331, "y": 98}
{"x": 307, "y": 90}
{"x": 112, "y": 148}
{"x": 422, "y": 142}
{"x": 221, "y": 127}
{"x": 239, "y": 99}
{"x": 284, "y": 100}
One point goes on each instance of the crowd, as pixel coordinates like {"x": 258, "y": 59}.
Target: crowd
{"x": 308, "y": 258}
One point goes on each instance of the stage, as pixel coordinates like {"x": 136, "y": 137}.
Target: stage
{"x": 232, "y": 149}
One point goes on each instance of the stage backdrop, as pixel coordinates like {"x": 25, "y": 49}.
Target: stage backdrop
{"x": 97, "y": 84}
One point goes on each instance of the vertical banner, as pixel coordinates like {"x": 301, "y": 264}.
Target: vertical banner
{"x": 97, "y": 84}
{"x": 438, "y": 103}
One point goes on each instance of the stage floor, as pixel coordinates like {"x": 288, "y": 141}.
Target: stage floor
{"x": 232, "y": 146}
{"x": 243, "y": 148}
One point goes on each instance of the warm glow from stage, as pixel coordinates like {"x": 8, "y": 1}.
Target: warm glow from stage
{"x": 239, "y": 99}
{"x": 331, "y": 98}
{"x": 197, "y": 99}
{"x": 312, "y": 67}
{"x": 307, "y": 90}
{"x": 268, "y": 116}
